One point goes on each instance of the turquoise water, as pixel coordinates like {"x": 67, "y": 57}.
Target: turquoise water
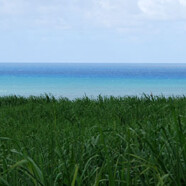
{"x": 77, "y": 80}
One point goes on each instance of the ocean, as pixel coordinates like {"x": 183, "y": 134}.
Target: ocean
{"x": 75, "y": 80}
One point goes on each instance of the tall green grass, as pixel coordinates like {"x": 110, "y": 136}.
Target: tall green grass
{"x": 107, "y": 141}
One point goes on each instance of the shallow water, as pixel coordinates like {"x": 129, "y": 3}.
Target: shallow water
{"x": 77, "y": 80}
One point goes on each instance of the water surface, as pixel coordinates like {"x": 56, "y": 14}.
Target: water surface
{"x": 77, "y": 80}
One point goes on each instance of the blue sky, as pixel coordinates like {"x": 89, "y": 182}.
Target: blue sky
{"x": 93, "y": 31}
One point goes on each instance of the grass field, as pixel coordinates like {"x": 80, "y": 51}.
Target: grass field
{"x": 106, "y": 141}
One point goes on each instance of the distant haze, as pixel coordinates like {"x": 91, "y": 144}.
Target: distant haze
{"x": 122, "y": 31}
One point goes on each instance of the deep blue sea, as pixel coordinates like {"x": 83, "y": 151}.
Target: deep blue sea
{"x": 76, "y": 80}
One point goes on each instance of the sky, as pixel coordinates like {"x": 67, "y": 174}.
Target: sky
{"x": 122, "y": 31}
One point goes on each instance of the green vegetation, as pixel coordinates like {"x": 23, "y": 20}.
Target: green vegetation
{"x": 107, "y": 141}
